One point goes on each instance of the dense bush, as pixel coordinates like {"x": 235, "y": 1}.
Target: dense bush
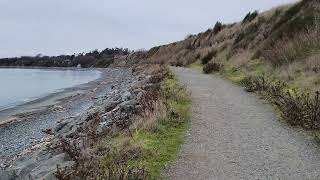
{"x": 179, "y": 63}
{"x": 206, "y": 58}
{"x": 198, "y": 55}
{"x": 218, "y": 27}
{"x": 212, "y": 67}
{"x": 247, "y": 35}
{"x": 297, "y": 108}
{"x": 250, "y": 16}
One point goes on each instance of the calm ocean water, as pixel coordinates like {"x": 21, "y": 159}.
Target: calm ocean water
{"x": 18, "y": 86}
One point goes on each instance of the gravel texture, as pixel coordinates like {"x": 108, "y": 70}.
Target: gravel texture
{"x": 236, "y": 135}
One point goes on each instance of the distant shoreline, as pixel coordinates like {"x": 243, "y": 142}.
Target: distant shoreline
{"x": 42, "y": 102}
{"x": 21, "y": 126}
{"x": 53, "y": 68}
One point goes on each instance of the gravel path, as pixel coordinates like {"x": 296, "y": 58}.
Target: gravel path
{"x": 235, "y": 135}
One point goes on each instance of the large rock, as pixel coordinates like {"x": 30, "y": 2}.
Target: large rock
{"x": 8, "y": 175}
{"x": 126, "y": 96}
{"x": 109, "y": 105}
{"x": 36, "y": 168}
{"x": 128, "y": 106}
{"x": 103, "y": 127}
{"x": 152, "y": 87}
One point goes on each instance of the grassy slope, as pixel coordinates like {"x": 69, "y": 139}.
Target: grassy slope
{"x": 283, "y": 43}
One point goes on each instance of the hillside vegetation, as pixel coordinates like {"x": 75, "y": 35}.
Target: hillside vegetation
{"x": 281, "y": 43}
{"x": 275, "y": 53}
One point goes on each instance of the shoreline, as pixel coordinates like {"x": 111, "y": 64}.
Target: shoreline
{"x": 22, "y": 127}
{"x": 45, "y": 101}
{"x": 59, "y": 139}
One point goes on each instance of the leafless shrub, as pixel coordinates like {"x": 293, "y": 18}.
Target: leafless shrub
{"x": 110, "y": 165}
{"x": 63, "y": 173}
{"x": 250, "y": 16}
{"x": 198, "y": 55}
{"x": 212, "y": 67}
{"x": 218, "y": 27}
{"x": 254, "y": 83}
{"x": 71, "y": 148}
{"x": 90, "y": 129}
{"x": 205, "y": 59}
{"x": 114, "y": 165}
{"x": 297, "y": 108}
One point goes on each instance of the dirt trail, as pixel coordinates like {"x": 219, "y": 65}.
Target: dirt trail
{"x": 235, "y": 135}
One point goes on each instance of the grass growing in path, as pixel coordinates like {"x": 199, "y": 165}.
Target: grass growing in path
{"x": 233, "y": 74}
{"x": 196, "y": 65}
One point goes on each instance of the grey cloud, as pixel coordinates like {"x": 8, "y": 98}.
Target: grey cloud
{"x": 55, "y": 27}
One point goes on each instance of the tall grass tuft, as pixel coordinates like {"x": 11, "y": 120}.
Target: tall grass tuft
{"x": 287, "y": 50}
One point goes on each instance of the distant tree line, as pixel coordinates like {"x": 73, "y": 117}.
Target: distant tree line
{"x": 91, "y": 59}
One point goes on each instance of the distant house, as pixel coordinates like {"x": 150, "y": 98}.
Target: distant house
{"x": 79, "y": 66}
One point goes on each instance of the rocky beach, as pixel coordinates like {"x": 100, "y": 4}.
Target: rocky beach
{"x": 32, "y": 143}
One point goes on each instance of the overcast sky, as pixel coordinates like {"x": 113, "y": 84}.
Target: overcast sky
{"x": 54, "y": 27}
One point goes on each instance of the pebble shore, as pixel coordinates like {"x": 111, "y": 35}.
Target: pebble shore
{"x": 23, "y": 150}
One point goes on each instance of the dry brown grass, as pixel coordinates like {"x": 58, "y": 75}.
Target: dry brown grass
{"x": 241, "y": 58}
{"x": 287, "y": 50}
{"x": 302, "y": 74}
{"x": 254, "y": 36}
{"x": 149, "y": 120}
{"x": 269, "y": 13}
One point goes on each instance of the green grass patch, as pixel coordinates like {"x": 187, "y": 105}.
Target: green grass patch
{"x": 160, "y": 147}
{"x": 234, "y": 74}
{"x": 255, "y": 67}
{"x": 162, "y": 144}
{"x": 196, "y": 65}
{"x": 237, "y": 74}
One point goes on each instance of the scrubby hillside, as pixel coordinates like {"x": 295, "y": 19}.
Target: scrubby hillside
{"x": 281, "y": 43}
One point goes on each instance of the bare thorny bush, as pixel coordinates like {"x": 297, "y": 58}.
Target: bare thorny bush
{"x": 212, "y": 67}
{"x": 298, "y": 108}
